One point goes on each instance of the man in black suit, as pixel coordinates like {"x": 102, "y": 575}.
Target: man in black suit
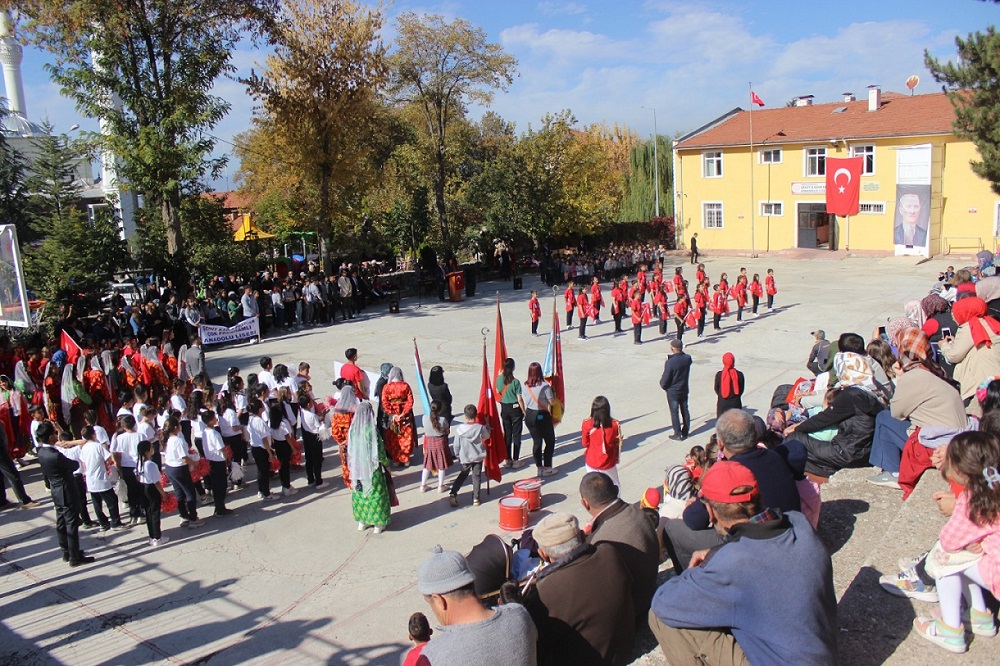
{"x": 58, "y": 465}
{"x": 694, "y": 249}
{"x": 10, "y": 475}
{"x": 674, "y": 381}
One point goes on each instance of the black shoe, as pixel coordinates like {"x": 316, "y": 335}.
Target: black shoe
{"x": 677, "y": 438}
{"x": 66, "y": 556}
{"x": 223, "y": 512}
{"x": 90, "y": 524}
{"x": 83, "y": 560}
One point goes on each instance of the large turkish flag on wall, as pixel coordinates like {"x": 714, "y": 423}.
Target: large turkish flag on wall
{"x": 843, "y": 185}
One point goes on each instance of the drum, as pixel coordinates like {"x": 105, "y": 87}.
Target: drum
{"x": 513, "y": 514}
{"x": 531, "y": 491}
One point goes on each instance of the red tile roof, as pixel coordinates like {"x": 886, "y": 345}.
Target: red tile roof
{"x": 898, "y": 115}
{"x": 231, "y": 201}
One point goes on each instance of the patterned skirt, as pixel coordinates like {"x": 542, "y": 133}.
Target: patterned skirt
{"x": 437, "y": 455}
{"x": 372, "y": 509}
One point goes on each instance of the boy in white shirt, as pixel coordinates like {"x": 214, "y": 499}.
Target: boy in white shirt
{"x": 260, "y": 447}
{"x": 214, "y": 447}
{"x": 311, "y": 444}
{"x": 124, "y": 448}
{"x": 95, "y": 461}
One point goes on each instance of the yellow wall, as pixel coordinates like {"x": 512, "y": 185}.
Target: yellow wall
{"x": 962, "y": 203}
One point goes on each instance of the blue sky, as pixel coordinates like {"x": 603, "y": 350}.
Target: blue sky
{"x": 605, "y": 60}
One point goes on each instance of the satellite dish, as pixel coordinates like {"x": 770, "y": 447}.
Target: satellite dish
{"x": 912, "y": 83}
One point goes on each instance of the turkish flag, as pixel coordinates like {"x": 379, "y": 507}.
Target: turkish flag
{"x": 843, "y": 185}
{"x": 496, "y": 448}
{"x": 68, "y": 345}
{"x": 755, "y": 99}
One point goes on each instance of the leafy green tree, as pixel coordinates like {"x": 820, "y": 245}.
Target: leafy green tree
{"x": 440, "y": 66}
{"x": 639, "y": 203}
{"x": 146, "y": 69}
{"x": 76, "y": 257}
{"x": 973, "y": 87}
{"x": 12, "y": 195}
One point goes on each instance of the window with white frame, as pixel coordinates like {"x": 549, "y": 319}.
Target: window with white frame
{"x": 712, "y": 164}
{"x": 816, "y": 161}
{"x": 770, "y": 156}
{"x": 871, "y": 208}
{"x": 867, "y": 153}
{"x": 771, "y": 209}
{"x": 711, "y": 214}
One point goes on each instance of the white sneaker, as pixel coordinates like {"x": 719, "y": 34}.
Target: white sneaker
{"x": 156, "y": 543}
{"x": 377, "y": 530}
{"x": 362, "y": 527}
{"x": 287, "y": 492}
{"x": 321, "y": 484}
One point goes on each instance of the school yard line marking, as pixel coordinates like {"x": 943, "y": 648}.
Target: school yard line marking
{"x": 92, "y": 611}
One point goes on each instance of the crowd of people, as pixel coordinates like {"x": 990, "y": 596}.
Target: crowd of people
{"x": 125, "y": 422}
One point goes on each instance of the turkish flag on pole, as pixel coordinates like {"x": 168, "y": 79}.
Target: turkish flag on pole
{"x": 755, "y": 99}
{"x": 843, "y": 185}
{"x": 500, "y": 348}
{"x": 496, "y": 447}
{"x": 68, "y": 345}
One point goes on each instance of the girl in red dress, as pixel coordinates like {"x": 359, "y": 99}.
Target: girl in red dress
{"x": 756, "y": 291}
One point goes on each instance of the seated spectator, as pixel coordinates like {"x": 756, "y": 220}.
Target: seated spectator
{"x": 580, "y": 599}
{"x": 853, "y": 412}
{"x": 923, "y": 398}
{"x": 629, "y": 529}
{"x": 729, "y": 608}
{"x": 816, "y": 363}
{"x": 504, "y": 636}
{"x": 971, "y": 349}
{"x": 737, "y": 436}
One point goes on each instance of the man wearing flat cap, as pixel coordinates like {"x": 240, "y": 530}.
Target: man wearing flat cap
{"x": 470, "y": 633}
{"x": 765, "y": 596}
{"x": 581, "y": 599}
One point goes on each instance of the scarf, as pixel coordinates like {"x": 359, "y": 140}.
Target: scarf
{"x": 363, "y": 449}
{"x": 914, "y": 348}
{"x": 384, "y": 370}
{"x": 854, "y": 370}
{"x": 347, "y": 403}
{"x": 729, "y": 384}
{"x": 895, "y": 326}
{"x": 933, "y": 304}
{"x": 678, "y": 483}
{"x": 973, "y": 311}
{"x": 915, "y": 313}
{"x": 396, "y": 374}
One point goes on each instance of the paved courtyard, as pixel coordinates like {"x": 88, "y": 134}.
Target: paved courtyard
{"x": 293, "y": 581}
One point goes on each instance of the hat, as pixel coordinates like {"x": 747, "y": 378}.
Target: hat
{"x": 725, "y": 477}
{"x": 676, "y": 344}
{"x": 819, "y": 334}
{"x": 556, "y": 529}
{"x": 444, "y": 571}
{"x": 650, "y": 499}
{"x": 677, "y": 480}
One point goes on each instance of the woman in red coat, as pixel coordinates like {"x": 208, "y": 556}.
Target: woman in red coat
{"x": 397, "y": 403}
{"x": 601, "y": 437}
{"x": 756, "y": 291}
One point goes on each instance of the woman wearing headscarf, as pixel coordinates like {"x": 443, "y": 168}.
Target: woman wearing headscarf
{"x": 438, "y": 389}
{"x": 379, "y": 385}
{"x": 852, "y": 412}
{"x": 988, "y": 289}
{"x": 397, "y": 403}
{"x": 923, "y": 397}
{"x": 973, "y": 348}
{"x": 367, "y": 460}
{"x": 340, "y": 424}
{"x": 729, "y": 386}
{"x": 914, "y": 312}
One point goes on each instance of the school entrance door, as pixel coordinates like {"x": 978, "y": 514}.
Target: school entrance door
{"x": 816, "y": 228}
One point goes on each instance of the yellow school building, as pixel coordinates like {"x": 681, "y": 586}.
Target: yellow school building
{"x": 756, "y": 181}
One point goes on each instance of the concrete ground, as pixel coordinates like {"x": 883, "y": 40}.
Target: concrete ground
{"x": 293, "y": 581}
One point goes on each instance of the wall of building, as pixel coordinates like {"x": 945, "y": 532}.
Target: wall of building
{"x": 962, "y": 204}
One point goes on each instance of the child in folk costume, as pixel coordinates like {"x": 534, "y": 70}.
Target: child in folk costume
{"x": 756, "y": 291}
{"x": 535, "y": 310}
{"x": 583, "y": 310}
{"x": 570, "y": 299}
{"x": 718, "y": 307}
{"x": 739, "y": 294}
{"x": 770, "y": 287}
{"x": 340, "y": 423}
{"x": 437, "y": 455}
{"x": 596, "y": 300}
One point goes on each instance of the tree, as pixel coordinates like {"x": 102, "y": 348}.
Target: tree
{"x": 973, "y": 87}
{"x": 441, "y": 66}
{"x": 76, "y": 257}
{"x": 639, "y": 203}
{"x": 12, "y": 194}
{"x": 320, "y": 101}
{"x": 146, "y": 69}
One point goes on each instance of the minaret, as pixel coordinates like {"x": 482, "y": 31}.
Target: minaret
{"x": 11, "y": 55}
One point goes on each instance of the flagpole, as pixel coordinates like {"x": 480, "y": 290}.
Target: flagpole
{"x": 753, "y": 251}
{"x": 847, "y": 245}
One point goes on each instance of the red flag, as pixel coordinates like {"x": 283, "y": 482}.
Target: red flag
{"x": 843, "y": 185}
{"x": 68, "y": 345}
{"x": 500, "y": 352}
{"x": 552, "y": 368}
{"x": 496, "y": 448}
{"x": 755, "y": 99}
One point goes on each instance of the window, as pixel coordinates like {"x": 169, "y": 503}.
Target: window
{"x": 711, "y": 215}
{"x": 868, "y": 153}
{"x": 871, "y": 208}
{"x": 770, "y": 156}
{"x": 816, "y": 161}
{"x": 771, "y": 208}
{"x": 712, "y": 165}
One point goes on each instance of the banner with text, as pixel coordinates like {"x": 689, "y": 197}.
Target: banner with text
{"x": 213, "y": 335}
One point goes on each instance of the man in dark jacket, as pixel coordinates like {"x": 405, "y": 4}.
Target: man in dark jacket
{"x": 819, "y": 354}
{"x": 775, "y": 478}
{"x": 674, "y": 381}
{"x": 580, "y": 601}
{"x": 58, "y": 466}
{"x": 629, "y": 529}
{"x": 728, "y": 608}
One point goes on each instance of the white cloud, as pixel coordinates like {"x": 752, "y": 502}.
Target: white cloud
{"x": 562, "y": 8}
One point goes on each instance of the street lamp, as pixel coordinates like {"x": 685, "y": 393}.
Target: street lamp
{"x": 656, "y": 160}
